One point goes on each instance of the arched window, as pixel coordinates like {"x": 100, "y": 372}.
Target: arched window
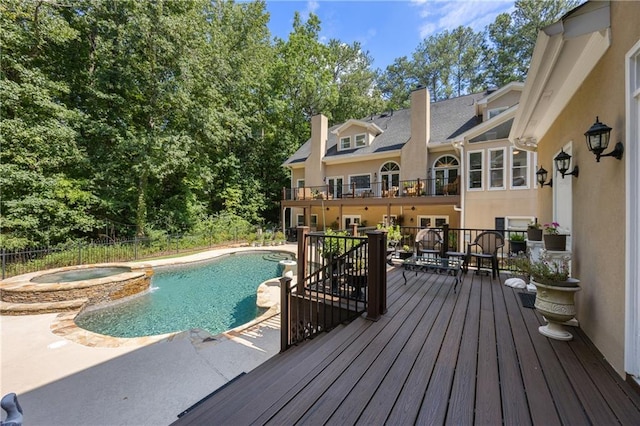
{"x": 446, "y": 170}
{"x": 390, "y": 175}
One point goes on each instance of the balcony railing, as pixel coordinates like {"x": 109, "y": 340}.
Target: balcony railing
{"x": 380, "y": 189}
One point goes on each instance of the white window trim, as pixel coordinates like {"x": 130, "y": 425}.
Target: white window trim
{"x": 527, "y": 175}
{"x": 298, "y": 221}
{"x": 299, "y": 182}
{"x": 490, "y": 169}
{"x": 355, "y": 218}
{"x": 364, "y": 140}
{"x": 345, "y": 138}
{"x": 433, "y": 218}
{"x": 632, "y": 185}
{"x": 469, "y": 170}
{"x": 313, "y": 223}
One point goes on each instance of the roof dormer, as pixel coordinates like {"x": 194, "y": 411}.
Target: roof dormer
{"x": 498, "y": 101}
{"x": 354, "y": 134}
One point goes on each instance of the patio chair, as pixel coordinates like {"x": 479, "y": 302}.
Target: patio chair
{"x": 428, "y": 243}
{"x": 485, "y": 247}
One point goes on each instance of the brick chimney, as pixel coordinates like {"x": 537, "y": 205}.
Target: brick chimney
{"x": 414, "y": 153}
{"x": 314, "y": 167}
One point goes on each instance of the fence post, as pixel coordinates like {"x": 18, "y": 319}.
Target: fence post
{"x": 377, "y": 280}
{"x": 135, "y": 247}
{"x": 4, "y": 263}
{"x": 302, "y": 256}
{"x": 285, "y": 317}
{"x": 79, "y": 253}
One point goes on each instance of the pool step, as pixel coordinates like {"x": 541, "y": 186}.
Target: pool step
{"x": 7, "y": 308}
{"x": 276, "y": 257}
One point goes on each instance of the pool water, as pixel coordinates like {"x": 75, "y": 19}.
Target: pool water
{"x": 215, "y": 296}
{"x": 80, "y": 274}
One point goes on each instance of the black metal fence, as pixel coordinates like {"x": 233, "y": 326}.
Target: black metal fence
{"x": 17, "y": 262}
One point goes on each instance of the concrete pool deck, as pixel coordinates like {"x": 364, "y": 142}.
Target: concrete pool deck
{"x": 93, "y": 380}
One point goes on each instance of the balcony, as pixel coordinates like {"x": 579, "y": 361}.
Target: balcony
{"x": 414, "y": 190}
{"x": 435, "y": 357}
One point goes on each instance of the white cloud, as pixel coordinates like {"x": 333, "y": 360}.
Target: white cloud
{"x": 312, "y": 6}
{"x": 440, "y": 15}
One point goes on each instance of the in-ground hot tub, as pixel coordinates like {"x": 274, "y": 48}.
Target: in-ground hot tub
{"x": 80, "y": 274}
{"x": 71, "y": 288}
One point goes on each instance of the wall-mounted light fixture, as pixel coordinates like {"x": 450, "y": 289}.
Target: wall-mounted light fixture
{"x": 598, "y": 140}
{"x": 366, "y": 208}
{"x": 563, "y": 162}
{"x": 541, "y": 174}
{"x": 413, "y": 207}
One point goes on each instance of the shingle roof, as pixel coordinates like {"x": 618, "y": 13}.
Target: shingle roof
{"x": 449, "y": 118}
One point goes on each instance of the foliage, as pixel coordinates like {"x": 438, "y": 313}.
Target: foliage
{"x": 545, "y": 270}
{"x": 552, "y": 228}
{"x": 516, "y": 237}
{"x": 534, "y": 225}
{"x": 336, "y": 243}
{"x": 393, "y": 232}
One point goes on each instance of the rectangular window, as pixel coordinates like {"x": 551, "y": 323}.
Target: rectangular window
{"x": 360, "y": 181}
{"x": 300, "y": 183}
{"x": 496, "y": 111}
{"x": 475, "y": 170}
{"x": 496, "y": 168}
{"x": 314, "y": 221}
{"x": 300, "y": 219}
{"x": 360, "y": 140}
{"x": 519, "y": 168}
{"x": 432, "y": 221}
{"x": 345, "y": 143}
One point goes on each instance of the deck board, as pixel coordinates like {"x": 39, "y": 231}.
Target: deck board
{"x": 435, "y": 357}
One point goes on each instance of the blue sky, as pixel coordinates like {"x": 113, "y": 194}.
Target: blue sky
{"x": 387, "y": 29}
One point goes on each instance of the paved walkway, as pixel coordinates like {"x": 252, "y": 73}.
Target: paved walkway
{"x": 142, "y": 381}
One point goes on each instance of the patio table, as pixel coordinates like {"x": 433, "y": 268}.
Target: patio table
{"x": 433, "y": 264}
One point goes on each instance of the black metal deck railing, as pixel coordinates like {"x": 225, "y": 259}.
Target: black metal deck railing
{"x": 378, "y": 189}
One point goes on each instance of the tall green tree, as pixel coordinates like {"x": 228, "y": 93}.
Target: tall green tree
{"x": 510, "y": 39}
{"x": 44, "y": 197}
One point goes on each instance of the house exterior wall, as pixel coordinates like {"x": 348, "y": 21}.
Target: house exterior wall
{"x": 482, "y": 207}
{"x": 598, "y": 234}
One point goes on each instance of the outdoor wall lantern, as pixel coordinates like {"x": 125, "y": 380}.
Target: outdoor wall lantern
{"x": 563, "y": 162}
{"x": 541, "y": 174}
{"x": 598, "y": 140}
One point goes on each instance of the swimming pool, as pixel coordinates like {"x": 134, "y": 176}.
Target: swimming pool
{"x": 216, "y": 296}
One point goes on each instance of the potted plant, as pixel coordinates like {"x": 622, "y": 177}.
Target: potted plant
{"x": 553, "y": 239}
{"x": 534, "y": 231}
{"x": 517, "y": 243}
{"x": 406, "y": 252}
{"x": 554, "y": 292}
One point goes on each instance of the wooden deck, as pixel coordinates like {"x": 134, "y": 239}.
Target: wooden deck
{"x": 436, "y": 357}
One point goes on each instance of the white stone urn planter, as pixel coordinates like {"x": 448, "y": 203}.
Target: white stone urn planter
{"x": 555, "y": 302}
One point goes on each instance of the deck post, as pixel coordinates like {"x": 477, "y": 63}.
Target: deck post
{"x": 302, "y": 257}
{"x": 377, "y": 280}
{"x": 285, "y": 313}
{"x": 444, "y": 247}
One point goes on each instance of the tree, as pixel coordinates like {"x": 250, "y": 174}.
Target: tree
{"x": 44, "y": 196}
{"x": 512, "y": 38}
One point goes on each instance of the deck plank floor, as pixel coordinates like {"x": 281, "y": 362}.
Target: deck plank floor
{"x": 436, "y": 357}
